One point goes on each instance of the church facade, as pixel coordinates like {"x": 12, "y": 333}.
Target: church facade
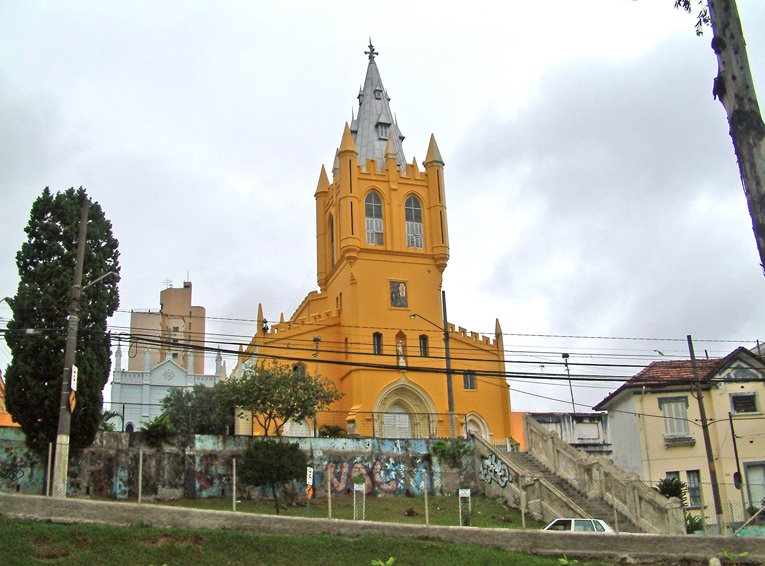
{"x": 375, "y": 327}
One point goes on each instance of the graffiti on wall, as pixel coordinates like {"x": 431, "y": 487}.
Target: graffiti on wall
{"x": 10, "y": 471}
{"x": 494, "y": 469}
{"x": 212, "y": 475}
{"x": 19, "y": 471}
{"x": 382, "y": 475}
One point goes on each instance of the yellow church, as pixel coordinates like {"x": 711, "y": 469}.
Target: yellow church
{"x": 376, "y": 325}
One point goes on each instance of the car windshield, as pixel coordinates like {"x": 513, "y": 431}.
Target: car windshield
{"x": 560, "y": 525}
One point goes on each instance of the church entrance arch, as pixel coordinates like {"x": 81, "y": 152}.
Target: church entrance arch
{"x": 404, "y": 410}
{"x": 477, "y": 426}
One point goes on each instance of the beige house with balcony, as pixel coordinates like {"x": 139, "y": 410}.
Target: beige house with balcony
{"x": 655, "y": 428}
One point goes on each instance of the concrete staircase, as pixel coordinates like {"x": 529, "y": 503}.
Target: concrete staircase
{"x": 595, "y": 508}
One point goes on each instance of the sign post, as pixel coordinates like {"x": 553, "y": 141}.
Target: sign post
{"x": 308, "y": 488}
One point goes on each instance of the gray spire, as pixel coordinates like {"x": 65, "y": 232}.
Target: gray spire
{"x": 375, "y": 124}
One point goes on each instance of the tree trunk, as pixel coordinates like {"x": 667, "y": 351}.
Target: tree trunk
{"x": 735, "y": 90}
{"x": 276, "y": 497}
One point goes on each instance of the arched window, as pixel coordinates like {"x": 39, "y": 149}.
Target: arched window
{"x": 130, "y": 427}
{"x": 374, "y": 219}
{"x": 299, "y": 368}
{"x": 332, "y": 241}
{"x": 413, "y": 222}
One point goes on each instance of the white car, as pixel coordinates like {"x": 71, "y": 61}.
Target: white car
{"x": 579, "y": 526}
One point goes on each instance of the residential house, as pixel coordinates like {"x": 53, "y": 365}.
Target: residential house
{"x": 656, "y": 429}
{"x": 584, "y": 431}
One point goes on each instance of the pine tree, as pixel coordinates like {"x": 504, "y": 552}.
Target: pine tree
{"x": 36, "y": 332}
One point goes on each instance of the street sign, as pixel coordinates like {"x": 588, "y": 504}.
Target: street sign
{"x": 74, "y": 378}
{"x": 72, "y": 401}
{"x": 309, "y": 482}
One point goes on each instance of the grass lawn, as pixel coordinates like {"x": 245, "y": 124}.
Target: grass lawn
{"x": 29, "y": 542}
{"x": 392, "y": 509}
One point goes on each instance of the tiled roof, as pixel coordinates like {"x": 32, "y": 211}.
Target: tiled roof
{"x": 672, "y": 373}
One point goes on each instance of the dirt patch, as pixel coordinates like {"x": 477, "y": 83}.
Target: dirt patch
{"x": 171, "y": 539}
{"x": 47, "y": 549}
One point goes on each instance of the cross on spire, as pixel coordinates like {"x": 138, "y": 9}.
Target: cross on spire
{"x": 371, "y": 51}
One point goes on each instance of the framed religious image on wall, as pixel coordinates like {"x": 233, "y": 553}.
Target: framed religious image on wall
{"x": 398, "y": 296}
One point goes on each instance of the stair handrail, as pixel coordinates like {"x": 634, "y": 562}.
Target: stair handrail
{"x": 519, "y": 473}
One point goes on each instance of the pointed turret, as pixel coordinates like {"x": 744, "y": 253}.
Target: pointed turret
{"x": 323, "y": 226}
{"x": 375, "y": 126}
{"x": 323, "y": 184}
{"x": 434, "y": 154}
{"x": 439, "y": 230}
{"x": 499, "y": 341}
{"x": 261, "y": 319}
{"x": 347, "y": 143}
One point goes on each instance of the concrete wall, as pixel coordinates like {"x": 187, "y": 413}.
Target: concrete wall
{"x": 201, "y": 466}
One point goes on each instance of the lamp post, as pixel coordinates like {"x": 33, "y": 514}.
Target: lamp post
{"x": 447, "y": 354}
{"x": 570, "y": 387}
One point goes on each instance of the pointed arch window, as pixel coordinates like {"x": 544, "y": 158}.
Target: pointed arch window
{"x": 413, "y": 212}
{"x": 374, "y": 219}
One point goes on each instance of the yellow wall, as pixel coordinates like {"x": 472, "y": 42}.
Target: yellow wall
{"x": 355, "y": 301}
{"x": 658, "y": 458}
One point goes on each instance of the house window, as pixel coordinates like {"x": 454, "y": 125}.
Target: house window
{"x": 694, "y": 488}
{"x": 743, "y": 402}
{"x": 374, "y": 219}
{"x": 468, "y": 380}
{"x": 413, "y": 212}
{"x": 423, "y": 345}
{"x": 382, "y": 131}
{"x": 377, "y": 343}
{"x": 675, "y": 410}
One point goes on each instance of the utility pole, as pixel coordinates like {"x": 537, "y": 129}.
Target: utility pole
{"x": 449, "y": 389}
{"x": 61, "y": 467}
{"x": 737, "y": 479}
{"x": 707, "y": 441}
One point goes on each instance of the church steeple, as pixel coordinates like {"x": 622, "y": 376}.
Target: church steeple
{"x": 375, "y": 124}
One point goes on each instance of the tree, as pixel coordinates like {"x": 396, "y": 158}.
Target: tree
{"x": 671, "y": 486}
{"x": 36, "y": 332}
{"x": 275, "y": 394}
{"x": 734, "y": 88}
{"x": 104, "y": 421}
{"x": 195, "y": 410}
{"x": 268, "y": 462}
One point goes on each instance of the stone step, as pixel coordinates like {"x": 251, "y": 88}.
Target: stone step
{"x": 595, "y": 507}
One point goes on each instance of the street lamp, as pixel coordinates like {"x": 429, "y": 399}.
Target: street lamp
{"x": 570, "y": 387}
{"x": 449, "y": 388}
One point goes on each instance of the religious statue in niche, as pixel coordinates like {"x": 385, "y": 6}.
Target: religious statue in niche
{"x": 400, "y": 353}
{"x": 398, "y": 297}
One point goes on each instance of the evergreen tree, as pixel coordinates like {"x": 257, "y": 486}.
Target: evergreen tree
{"x": 37, "y": 330}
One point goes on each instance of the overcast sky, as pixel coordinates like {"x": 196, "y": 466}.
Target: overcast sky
{"x": 592, "y": 187}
